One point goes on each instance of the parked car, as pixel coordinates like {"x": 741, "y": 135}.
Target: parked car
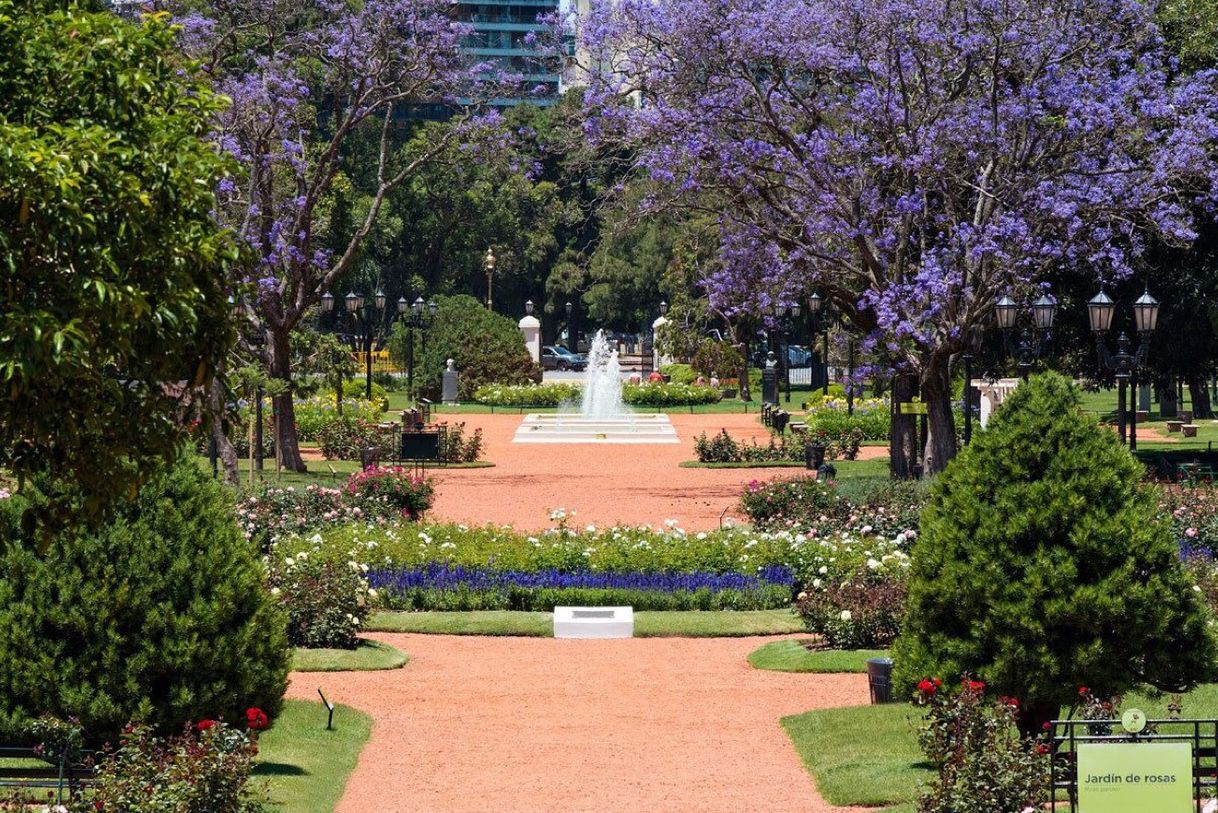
{"x": 560, "y": 358}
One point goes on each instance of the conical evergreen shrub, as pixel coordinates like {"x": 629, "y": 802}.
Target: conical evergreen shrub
{"x": 160, "y": 615}
{"x": 1042, "y": 566}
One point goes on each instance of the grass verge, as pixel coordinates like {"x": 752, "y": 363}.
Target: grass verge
{"x": 868, "y": 755}
{"x": 793, "y": 656}
{"x": 306, "y": 766}
{"x": 647, "y": 624}
{"x": 369, "y": 656}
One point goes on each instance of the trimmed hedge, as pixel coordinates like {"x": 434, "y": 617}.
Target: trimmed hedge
{"x": 528, "y": 395}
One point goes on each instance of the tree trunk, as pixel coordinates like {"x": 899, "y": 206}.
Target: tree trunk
{"x": 287, "y": 446}
{"x": 940, "y": 443}
{"x": 1200, "y": 396}
{"x": 1032, "y": 717}
{"x": 216, "y": 412}
{"x": 901, "y": 441}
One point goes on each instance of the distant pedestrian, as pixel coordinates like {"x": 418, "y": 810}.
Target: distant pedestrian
{"x": 714, "y": 382}
{"x": 636, "y": 379}
{"x": 699, "y": 382}
{"x": 655, "y": 377}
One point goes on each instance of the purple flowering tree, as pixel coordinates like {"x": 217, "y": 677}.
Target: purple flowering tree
{"x": 911, "y": 161}
{"x": 314, "y": 84}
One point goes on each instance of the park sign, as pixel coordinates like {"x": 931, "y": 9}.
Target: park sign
{"x": 914, "y": 406}
{"x": 1135, "y": 777}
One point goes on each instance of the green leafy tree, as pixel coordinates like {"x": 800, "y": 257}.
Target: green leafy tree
{"x": 113, "y": 301}
{"x": 160, "y": 615}
{"x": 487, "y": 347}
{"x": 1042, "y": 566}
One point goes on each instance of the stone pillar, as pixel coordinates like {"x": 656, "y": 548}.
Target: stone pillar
{"x": 992, "y": 394}
{"x": 530, "y": 329}
{"x": 657, "y": 359}
{"x": 1144, "y": 398}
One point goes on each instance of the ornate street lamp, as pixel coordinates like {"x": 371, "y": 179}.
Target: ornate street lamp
{"x": 488, "y": 262}
{"x": 1034, "y": 334}
{"x": 418, "y": 316}
{"x": 1123, "y": 363}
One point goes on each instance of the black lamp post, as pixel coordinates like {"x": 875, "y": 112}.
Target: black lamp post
{"x": 788, "y": 316}
{"x": 1124, "y": 364}
{"x": 418, "y": 317}
{"x": 571, "y": 339}
{"x": 1033, "y": 336}
{"x": 365, "y": 319}
{"x": 820, "y": 324}
{"x": 488, "y": 263}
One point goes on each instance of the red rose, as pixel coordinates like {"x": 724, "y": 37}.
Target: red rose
{"x": 974, "y": 685}
{"x": 1013, "y": 702}
{"x": 1041, "y": 748}
{"x": 927, "y": 687}
{"x": 1047, "y": 726}
{"x": 256, "y": 719}
{"x": 937, "y": 682}
{"x": 1083, "y": 691}
{"x": 203, "y": 725}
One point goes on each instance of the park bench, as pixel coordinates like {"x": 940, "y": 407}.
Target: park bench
{"x": 22, "y": 767}
{"x": 1189, "y": 430}
{"x": 1175, "y": 426}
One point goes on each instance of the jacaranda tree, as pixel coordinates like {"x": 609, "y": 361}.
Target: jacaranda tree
{"x": 312, "y": 83}
{"x": 912, "y": 161}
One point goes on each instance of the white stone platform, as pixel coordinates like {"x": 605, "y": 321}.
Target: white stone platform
{"x": 563, "y": 428}
{"x": 593, "y": 622}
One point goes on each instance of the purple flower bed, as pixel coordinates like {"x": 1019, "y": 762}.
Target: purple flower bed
{"x": 443, "y": 586}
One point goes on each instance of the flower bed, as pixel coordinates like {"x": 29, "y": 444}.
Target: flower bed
{"x": 659, "y": 394}
{"x": 723, "y": 448}
{"x": 376, "y": 496}
{"x": 528, "y": 395}
{"x": 454, "y": 567}
{"x": 872, "y": 417}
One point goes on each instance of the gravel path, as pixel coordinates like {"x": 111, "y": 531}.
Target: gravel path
{"x": 537, "y": 725}
{"x": 604, "y": 484}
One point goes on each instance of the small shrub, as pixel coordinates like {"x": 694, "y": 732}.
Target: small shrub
{"x": 390, "y": 489}
{"x": 315, "y": 414}
{"x": 862, "y": 613}
{"x": 983, "y": 765}
{"x": 872, "y": 417}
{"x": 343, "y": 437}
{"x": 326, "y": 600}
{"x": 161, "y": 615}
{"x": 780, "y": 503}
{"x": 679, "y": 373}
{"x": 461, "y": 449}
{"x": 205, "y": 768}
{"x": 357, "y": 389}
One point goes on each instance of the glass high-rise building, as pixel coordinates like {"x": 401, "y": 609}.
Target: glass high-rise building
{"x": 501, "y": 35}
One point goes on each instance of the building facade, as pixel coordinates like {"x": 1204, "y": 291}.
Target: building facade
{"x": 501, "y": 34}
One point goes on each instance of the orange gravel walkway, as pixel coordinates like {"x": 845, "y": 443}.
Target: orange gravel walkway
{"x": 537, "y": 725}
{"x": 603, "y": 483}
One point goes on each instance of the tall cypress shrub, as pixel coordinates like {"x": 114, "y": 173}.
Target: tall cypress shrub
{"x": 159, "y": 615}
{"x": 1042, "y": 566}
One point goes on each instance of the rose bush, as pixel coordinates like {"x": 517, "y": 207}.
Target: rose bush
{"x": 326, "y": 599}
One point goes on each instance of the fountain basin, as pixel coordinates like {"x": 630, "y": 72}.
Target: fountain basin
{"x": 573, "y": 428}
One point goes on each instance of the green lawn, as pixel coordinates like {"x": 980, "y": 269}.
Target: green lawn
{"x": 793, "y": 656}
{"x": 369, "y": 656}
{"x": 846, "y": 469}
{"x": 306, "y": 766}
{"x": 868, "y": 755}
{"x": 646, "y": 624}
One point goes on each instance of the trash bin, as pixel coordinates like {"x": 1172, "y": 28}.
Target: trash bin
{"x": 879, "y": 679}
{"x": 814, "y": 455}
{"x": 370, "y": 457}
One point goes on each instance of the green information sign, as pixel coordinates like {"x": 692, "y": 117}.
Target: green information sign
{"x": 914, "y": 406}
{"x": 1135, "y": 777}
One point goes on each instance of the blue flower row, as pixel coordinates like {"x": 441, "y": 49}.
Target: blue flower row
{"x": 449, "y": 577}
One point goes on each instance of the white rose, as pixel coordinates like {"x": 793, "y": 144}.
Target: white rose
{"x": 823, "y": 570}
{"x": 846, "y": 615}
{"x": 817, "y": 583}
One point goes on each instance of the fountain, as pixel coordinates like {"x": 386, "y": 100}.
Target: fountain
{"x": 603, "y": 417}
